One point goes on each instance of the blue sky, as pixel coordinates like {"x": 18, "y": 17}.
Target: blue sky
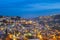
{"x": 29, "y": 8}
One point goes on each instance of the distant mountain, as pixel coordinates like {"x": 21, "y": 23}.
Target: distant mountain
{"x": 56, "y": 16}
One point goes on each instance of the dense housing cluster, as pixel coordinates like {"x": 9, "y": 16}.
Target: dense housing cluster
{"x": 41, "y": 28}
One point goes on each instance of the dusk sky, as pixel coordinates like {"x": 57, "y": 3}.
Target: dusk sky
{"x": 29, "y": 8}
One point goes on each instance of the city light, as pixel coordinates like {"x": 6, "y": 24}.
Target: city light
{"x": 45, "y": 28}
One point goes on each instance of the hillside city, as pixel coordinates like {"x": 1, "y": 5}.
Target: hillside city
{"x": 39, "y": 28}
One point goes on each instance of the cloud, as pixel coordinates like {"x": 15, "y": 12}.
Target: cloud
{"x": 41, "y": 6}
{"x": 27, "y": 7}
